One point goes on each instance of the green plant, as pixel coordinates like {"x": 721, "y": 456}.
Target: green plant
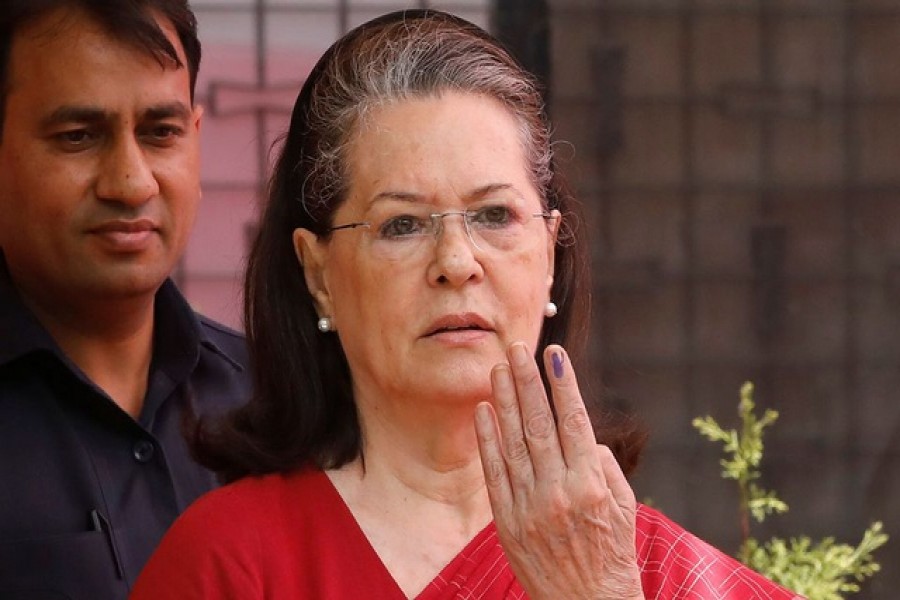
{"x": 819, "y": 571}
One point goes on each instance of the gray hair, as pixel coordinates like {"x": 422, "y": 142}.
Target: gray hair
{"x": 409, "y": 59}
{"x": 303, "y": 410}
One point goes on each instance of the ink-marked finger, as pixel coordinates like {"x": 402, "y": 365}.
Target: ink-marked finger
{"x": 538, "y": 423}
{"x": 576, "y": 434}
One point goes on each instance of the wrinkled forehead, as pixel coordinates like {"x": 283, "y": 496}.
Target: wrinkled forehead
{"x": 419, "y": 126}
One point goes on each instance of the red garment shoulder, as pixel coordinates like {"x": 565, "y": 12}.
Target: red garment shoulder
{"x": 677, "y": 565}
{"x": 288, "y": 536}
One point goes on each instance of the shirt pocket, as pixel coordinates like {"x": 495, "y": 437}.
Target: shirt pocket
{"x": 64, "y": 567}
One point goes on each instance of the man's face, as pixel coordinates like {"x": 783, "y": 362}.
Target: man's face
{"x": 99, "y": 163}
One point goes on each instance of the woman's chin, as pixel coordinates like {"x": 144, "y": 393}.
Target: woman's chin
{"x": 463, "y": 385}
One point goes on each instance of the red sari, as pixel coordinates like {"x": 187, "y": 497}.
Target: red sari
{"x": 292, "y": 537}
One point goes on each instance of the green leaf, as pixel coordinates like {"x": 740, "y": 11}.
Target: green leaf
{"x": 823, "y": 570}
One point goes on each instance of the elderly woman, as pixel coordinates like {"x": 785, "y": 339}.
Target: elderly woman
{"x": 415, "y": 273}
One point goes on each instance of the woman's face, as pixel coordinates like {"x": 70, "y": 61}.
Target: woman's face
{"x": 421, "y": 311}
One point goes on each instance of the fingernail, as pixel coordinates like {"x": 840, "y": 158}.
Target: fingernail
{"x": 519, "y": 355}
{"x": 483, "y": 418}
{"x": 557, "y": 360}
{"x": 501, "y": 379}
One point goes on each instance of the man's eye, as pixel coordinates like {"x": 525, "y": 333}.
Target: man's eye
{"x": 401, "y": 226}
{"x": 491, "y": 216}
{"x": 164, "y": 133}
{"x": 76, "y": 137}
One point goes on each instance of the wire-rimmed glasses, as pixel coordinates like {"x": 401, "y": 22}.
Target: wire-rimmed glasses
{"x": 399, "y": 232}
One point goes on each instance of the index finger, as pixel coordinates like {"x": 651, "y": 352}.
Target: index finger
{"x": 576, "y": 434}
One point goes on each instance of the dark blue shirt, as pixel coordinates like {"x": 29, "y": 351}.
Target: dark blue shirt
{"x": 86, "y": 492}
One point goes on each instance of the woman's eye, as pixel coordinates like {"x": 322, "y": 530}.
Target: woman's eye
{"x": 400, "y": 226}
{"x": 492, "y": 216}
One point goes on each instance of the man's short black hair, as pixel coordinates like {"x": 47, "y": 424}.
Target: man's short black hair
{"x": 129, "y": 20}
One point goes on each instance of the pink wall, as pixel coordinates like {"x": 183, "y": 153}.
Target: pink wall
{"x": 212, "y": 267}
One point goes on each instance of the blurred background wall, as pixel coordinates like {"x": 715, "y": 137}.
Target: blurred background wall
{"x": 739, "y": 165}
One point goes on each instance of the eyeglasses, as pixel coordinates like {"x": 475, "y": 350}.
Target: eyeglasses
{"x": 397, "y": 234}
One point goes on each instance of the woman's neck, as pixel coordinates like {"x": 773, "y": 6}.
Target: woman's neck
{"x": 417, "y": 511}
{"x": 422, "y": 440}
{"x": 418, "y": 491}
{"x": 436, "y": 460}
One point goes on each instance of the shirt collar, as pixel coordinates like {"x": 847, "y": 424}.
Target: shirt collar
{"x": 178, "y": 334}
{"x": 20, "y": 331}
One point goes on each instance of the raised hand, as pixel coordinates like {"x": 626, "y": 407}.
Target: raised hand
{"x": 563, "y": 509}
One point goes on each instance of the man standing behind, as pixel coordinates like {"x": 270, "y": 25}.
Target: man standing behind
{"x": 102, "y": 361}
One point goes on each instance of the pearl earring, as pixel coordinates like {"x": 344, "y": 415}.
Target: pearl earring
{"x": 550, "y": 310}
{"x": 324, "y": 324}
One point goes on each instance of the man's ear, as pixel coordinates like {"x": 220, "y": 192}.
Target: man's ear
{"x": 197, "y": 116}
{"x": 311, "y": 254}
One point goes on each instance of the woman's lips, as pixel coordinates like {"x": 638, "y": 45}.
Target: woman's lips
{"x": 458, "y": 323}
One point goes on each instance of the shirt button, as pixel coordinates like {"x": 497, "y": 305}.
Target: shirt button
{"x": 143, "y": 451}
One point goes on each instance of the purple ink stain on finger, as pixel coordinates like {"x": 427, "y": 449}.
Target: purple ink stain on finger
{"x": 557, "y": 360}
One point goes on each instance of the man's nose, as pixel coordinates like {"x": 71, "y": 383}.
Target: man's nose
{"x": 126, "y": 175}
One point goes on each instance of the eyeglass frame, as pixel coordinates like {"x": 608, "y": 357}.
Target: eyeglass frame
{"x": 437, "y": 223}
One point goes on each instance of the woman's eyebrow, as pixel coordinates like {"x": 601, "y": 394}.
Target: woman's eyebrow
{"x": 396, "y": 195}
{"x": 491, "y": 188}
{"x": 478, "y": 193}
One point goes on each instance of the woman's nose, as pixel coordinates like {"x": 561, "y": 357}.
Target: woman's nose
{"x": 455, "y": 258}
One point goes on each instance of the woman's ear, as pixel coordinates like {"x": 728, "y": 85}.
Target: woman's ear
{"x": 311, "y": 253}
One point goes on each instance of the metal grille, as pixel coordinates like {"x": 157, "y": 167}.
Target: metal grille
{"x": 740, "y": 165}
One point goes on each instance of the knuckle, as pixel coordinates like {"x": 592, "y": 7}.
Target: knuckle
{"x": 516, "y": 450}
{"x": 576, "y": 421}
{"x": 494, "y": 472}
{"x": 596, "y": 497}
{"x": 539, "y": 426}
{"x": 532, "y": 379}
{"x": 559, "y": 507}
{"x": 508, "y": 404}
{"x": 529, "y": 526}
